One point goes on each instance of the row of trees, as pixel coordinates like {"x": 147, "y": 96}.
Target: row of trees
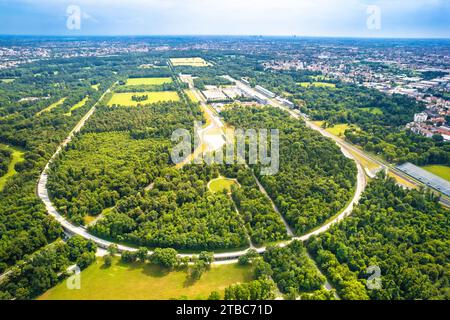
{"x": 263, "y": 223}
{"x": 293, "y": 270}
{"x": 168, "y": 258}
{"x": 139, "y": 98}
{"x": 5, "y": 159}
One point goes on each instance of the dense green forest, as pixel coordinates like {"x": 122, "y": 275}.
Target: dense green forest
{"x": 293, "y": 270}
{"x": 262, "y": 222}
{"x": 404, "y": 233}
{"x": 315, "y": 180}
{"x": 121, "y": 162}
{"x": 5, "y": 159}
{"x": 118, "y": 170}
{"x": 24, "y": 225}
{"x": 177, "y": 212}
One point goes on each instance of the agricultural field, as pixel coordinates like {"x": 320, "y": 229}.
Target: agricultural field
{"x": 140, "y": 281}
{"x": 190, "y": 62}
{"x": 125, "y": 99}
{"x": 52, "y": 106}
{"x": 440, "y": 171}
{"x": 148, "y": 81}
{"x": 17, "y": 156}
{"x": 220, "y": 184}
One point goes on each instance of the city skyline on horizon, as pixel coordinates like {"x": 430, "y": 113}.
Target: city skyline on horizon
{"x": 305, "y": 18}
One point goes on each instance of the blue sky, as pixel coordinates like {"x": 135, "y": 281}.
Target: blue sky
{"x": 399, "y": 18}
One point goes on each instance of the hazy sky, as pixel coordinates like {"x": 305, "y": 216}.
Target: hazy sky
{"x": 399, "y": 18}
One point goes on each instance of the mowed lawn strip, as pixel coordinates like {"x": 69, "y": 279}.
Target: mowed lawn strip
{"x": 77, "y": 106}
{"x": 317, "y": 84}
{"x": 52, "y": 106}
{"x": 125, "y": 99}
{"x": 16, "y": 157}
{"x": 191, "y": 95}
{"x": 148, "y": 81}
{"x": 139, "y": 281}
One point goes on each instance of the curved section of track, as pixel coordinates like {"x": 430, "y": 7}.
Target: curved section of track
{"x": 224, "y": 257}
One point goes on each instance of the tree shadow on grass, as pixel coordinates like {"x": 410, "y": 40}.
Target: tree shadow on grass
{"x": 105, "y": 267}
{"x": 189, "y": 281}
{"x": 155, "y": 271}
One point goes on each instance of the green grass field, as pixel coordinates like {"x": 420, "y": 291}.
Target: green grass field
{"x": 7, "y": 80}
{"x": 77, "y": 106}
{"x": 191, "y": 62}
{"x": 124, "y": 99}
{"x": 147, "y": 282}
{"x": 317, "y": 84}
{"x": 337, "y": 130}
{"x": 17, "y": 156}
{"x": 319, "y": 78}
{"x": 148, "y": 81}
{"x": 440, "y": 171}
{"x": 52, "y": 106}
{"x": 375, "y": 111}
{"x": 220, "y": 184}
{"x": 95, "y": 86}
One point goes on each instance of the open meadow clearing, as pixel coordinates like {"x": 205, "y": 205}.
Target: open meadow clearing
{"x": 375, "y": 111}
{"x": 126, "y": 99}
{"x": 138, "y": 281}
{"x": 8, "y": 80}
{"x": 17, "y": 156}
{"x": 220, "y": 184}
{"x": 148, "y": 81}
{"x": 317, "y": 84}
{"x": 440, "y": 171}
{"x": 77, "y": 106}
{"x": 191, "y": 62}
{"x": 337, "y": 130}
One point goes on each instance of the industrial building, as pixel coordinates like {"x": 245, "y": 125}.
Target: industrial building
{"x": 286, "y": 102}
{"x": 265, "y": 92}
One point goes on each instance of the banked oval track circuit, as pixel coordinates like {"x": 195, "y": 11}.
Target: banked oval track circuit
{"x": 71, "y": 229}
